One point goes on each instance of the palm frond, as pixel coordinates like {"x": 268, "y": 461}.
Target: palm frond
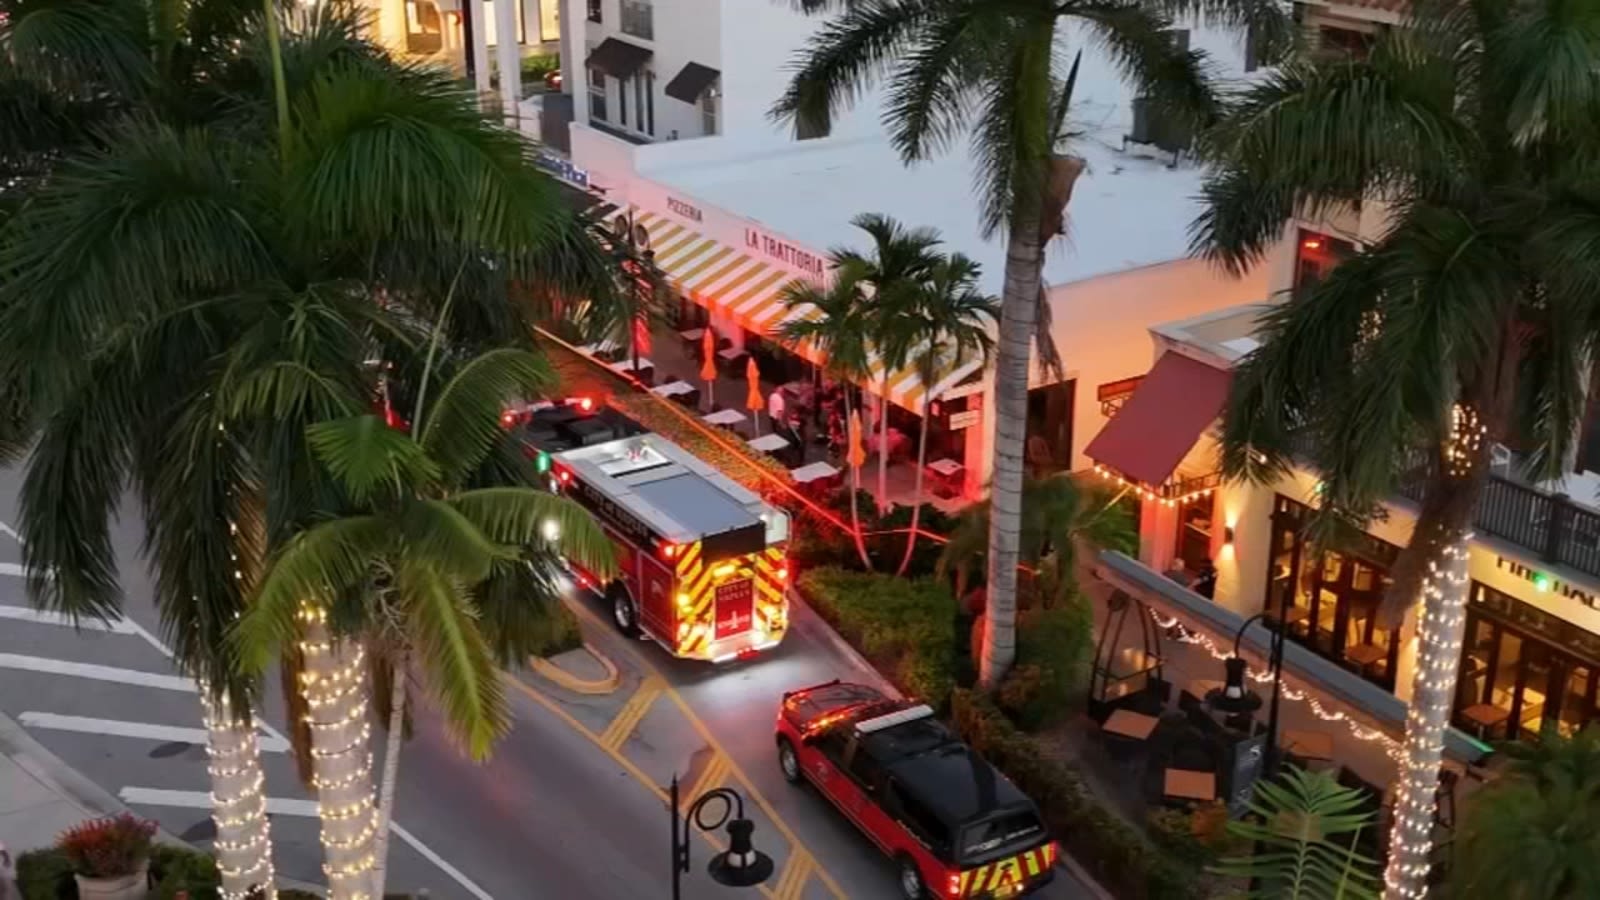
{"x": 437, "y": 534}
{"x": 535, "y": 520}
{"x": 461, "y": 670}
{"x": 369, "y": 459}
{"x": 465, "y": 420}
{"x": 313, "y": 568}
{"x": 518, "y": 607}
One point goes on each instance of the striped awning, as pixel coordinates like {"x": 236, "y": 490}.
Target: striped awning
{"x": 749, "y": 291}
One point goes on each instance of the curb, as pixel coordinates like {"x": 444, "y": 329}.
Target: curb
{"x": 571, "y": 682}
{"x": 56, "y": 775}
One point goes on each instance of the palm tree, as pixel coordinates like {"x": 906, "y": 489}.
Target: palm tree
{"x": 832, "y": 321}
{"x": 1532, "y": 833}
{"x": 991, "y": 70}
{"x": 408, "y": 567}
{"x": 1058, "y": 514}
{"x": 1299, "y": 824}
{"x": 1468, "y": 323}
{"x": 896, "y": 269}
{"x": 239, "y": 257}
{"x": 947, "y": 322}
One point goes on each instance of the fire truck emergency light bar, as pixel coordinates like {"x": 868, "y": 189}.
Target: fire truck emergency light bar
{"x": 898, "y": 717}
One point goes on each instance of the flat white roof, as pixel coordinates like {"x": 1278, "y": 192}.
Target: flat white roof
{"x": 1127, "y": 211}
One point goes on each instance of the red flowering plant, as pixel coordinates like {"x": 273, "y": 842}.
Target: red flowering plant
{"x": 108, "y": 848}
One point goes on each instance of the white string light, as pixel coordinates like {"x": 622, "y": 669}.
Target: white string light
{"x": 333, "y": 686}
{"x": 1360, "y": 732}
{"x": 238, "y": 801}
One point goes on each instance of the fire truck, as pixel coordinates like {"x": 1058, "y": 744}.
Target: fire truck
{"x": 702, "y": 559}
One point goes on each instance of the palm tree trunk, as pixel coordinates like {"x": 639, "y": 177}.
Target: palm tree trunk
{"x": 883, "y": 446}
{"x": 391, "y": 771}
{"x": 916, "y": 491}
{"x": 238, "y": 802}
{"x": 334, "y": 683}
{"x": 855, "y": 488}
{"x": 1019, "y": 310}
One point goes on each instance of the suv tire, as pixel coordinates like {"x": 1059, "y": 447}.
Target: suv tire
{"x": 911, "y": 886}
{"x": 789, "y": 762}
{"x": 624, "y": 612}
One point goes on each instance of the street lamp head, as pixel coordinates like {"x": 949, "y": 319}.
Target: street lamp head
{"x": 1233, "y": 697}
{"x": 741, "y": 865}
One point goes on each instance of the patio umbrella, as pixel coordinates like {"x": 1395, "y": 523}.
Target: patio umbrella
{"x": 856, "y": 454}
{"x": 708, "y": 364}
{"x": 752, "y": 399}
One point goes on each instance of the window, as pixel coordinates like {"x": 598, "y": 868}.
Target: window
{"x": 622, "y": 101}
{"x": 1317, "y": 255}
{"x": 549, "y": 20}
{"x": 597, "y": 94}
{"x": 1344, "y": 43}
{"x": 423, "y": 29}
{"x": 644, "y": 102}
{"x": 594, "y": 12}
{"x": 918, "y": 818}
{"x": 639, "y": 19}
{"x": 834, "y": 744}
{"x": 1000, "y": 835}
{"x": 865, "y": 770}
{"x": 708, "y": 110}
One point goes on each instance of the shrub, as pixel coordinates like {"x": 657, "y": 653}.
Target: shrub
{"x": 907, "y": 627}
{"x": 45, "y": 875}
{"x": 560, "y": 631}
{"x": 109, "y": 847}
{"x": 539, "y": 65}
{"x": 1113, "y": 851}
{"x": 181, "y": 869}
{"x": 1053, "y": 650}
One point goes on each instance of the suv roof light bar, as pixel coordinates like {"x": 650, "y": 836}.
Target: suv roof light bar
{"x": 898, "y": 717}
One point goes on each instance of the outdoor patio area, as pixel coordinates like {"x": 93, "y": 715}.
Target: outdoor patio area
{"x": 671, "y": 368}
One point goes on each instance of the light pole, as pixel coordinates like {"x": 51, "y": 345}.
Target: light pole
{"x": 741, "y": 865}
{"x": 1234, "y": 698}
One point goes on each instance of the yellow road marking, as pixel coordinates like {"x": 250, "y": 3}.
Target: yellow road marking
{"x": 793, "y": 879}
{"x": 627, "y": 764}
{"x": 705, "y": 734}
{"x": 715, "y": 771}
{"x": 633, "y": 712}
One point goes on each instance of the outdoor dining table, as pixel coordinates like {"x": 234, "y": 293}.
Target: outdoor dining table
{"x": 727, "y": 418}
{"x": 812, "y": 472}
{"x": 768, "y": 443}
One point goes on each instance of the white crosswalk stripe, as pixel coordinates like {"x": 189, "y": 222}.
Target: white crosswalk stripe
{"x": 142, "y": 730}
{"x": 47, "y": 617}
{"x": 95, "y": 673}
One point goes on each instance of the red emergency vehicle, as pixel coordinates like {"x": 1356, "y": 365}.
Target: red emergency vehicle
{"x": 703, "y": 563}
{"x": 954, "y": 825}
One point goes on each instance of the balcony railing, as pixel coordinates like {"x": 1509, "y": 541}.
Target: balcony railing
{"x": 1551, "y": 525}
{"x": 639, "y": 19}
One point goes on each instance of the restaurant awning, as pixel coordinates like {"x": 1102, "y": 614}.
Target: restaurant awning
{"x": 747, "y": 290}
{"x": 691, "y": 81}
{"x": 1147, "y": 439}
{"x": 618, "y": 58}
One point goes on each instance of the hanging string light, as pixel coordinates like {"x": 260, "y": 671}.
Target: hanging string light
{"x": 1358, "y": 731}
{"x": 1145, "y": 493}
{"x": 238, "y": 801}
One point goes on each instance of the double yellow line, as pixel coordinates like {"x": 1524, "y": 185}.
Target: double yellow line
{"x": 633, "y": 712}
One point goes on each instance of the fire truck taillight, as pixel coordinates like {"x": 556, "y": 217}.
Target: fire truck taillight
{"x": 783, "y": 572}
{"x": 952, "y": 884}
{"x": 586, "y": 403}
{"x": 669, "y": 550}
{"x": 508, "y": 418}
{"x": 683, "y": 601}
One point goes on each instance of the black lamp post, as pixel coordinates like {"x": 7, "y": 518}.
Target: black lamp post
{"x": 741, "y": 865}
{"x": 1239, "y": 702}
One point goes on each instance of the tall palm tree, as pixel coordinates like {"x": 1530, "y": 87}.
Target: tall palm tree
{"x": 831, "y": 320}
{"x": 240, "y": 257}
{"x": 410, "y": 565}
{"x": 946, "y": 323}
{"x": 1469, "y": 322}
{"x": 1532, "y": 833}
{"x": 894, "y": 271}
{"x": 993, "y": 71}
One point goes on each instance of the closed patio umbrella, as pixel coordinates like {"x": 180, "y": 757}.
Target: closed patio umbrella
{"x": 708, "y": 365}
{"x": 752, "y": 399}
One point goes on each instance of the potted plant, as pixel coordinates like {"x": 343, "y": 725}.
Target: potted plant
{"x": 110, "y": 857}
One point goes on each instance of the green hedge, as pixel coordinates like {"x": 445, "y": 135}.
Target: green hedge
{"x": 1114, "y": 852}
{"x": 47, "y": 874}
{"x": 1051, "y": 675}
{"x": 906, "y": 627}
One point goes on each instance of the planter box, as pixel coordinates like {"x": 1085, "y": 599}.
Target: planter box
{"x": 124, "y": 887}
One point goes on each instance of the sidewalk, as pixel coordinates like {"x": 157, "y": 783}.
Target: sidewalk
{"x": 39, "y": 796}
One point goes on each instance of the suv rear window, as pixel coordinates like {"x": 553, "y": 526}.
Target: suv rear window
{"x": 1000, "y": 835}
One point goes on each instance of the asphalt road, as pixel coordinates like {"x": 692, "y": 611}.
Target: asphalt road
{"x": 571, "y": 806}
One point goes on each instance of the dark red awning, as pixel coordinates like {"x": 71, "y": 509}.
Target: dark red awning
{"x": 1159, "y": 424}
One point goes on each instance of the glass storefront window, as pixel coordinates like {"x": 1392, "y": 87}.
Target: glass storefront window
{"x": 1333, "y": 596}
{"x": 1514, "y": 684}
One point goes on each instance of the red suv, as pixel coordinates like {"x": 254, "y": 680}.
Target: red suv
{"x": 956, "y": 826}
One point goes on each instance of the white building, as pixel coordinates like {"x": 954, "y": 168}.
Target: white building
{"x": 735, "y": 216}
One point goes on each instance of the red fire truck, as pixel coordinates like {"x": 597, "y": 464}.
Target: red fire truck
{"x": 702, "y": 559}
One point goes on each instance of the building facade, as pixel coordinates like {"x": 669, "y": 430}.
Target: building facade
{"x": 1532, "y": 653}
{"x": 733, "y": 216}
